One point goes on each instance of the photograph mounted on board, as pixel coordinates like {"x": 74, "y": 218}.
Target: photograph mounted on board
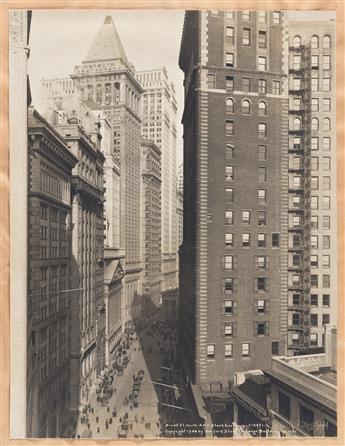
{"x": 174, "y": 195}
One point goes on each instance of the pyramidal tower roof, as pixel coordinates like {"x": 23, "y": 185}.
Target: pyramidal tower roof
{"x": 107, "y": 44}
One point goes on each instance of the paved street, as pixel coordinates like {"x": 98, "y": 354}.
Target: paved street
{"x": 152, "y": 350}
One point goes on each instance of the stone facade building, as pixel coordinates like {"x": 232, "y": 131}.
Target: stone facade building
{"x": 50, "y": 298}
{"x": 312, "y": 183}
{"x": 151, "y": 223}
{"x": 107, "y": 82}
{"x": 159, "y": 110}
{"x": 233, "y": 261}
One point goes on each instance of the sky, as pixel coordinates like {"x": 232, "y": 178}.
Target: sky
{"x": 60, "y": 39}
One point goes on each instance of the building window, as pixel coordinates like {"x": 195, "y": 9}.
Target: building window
{"x": 326, "y": 203}
{"x": 211, "y": 81}
{"x": 315, "y": 61}
{"x": 314, "y": 263}
{"x": 246, "y": 84}
{"x": 326, "y": 163}
{"x": 229, "y": 285}
{"x": 297, "y": 181}
{"x": 229, "y": 83}
{"x": 295, "y": 339}
{"x": 261, "y": 240}
{"x": 229, "y": 173}
{"x": 326, "y": 84}
{"x": 314, "y": 143}
{"x": 246, "y": 37}
{"x": 284, "y": 405}
{"x": 296, "y": 201}
{"x": 261, "y": 263}
{"x": 229, "y": 60}
{"x": 229, "y": 217}
{"x": 315, "y": 124}
{"x": 245, "y": 349}
{"x": 260, "y": 306}
{"x": 261, "y": 218}
{"x": 296, "y": 241}
{"x": 262, "y": 174}
{"x": 326, "y": 280}
{"x": 275, "y": 348}
{"x": 261, "y": 328}
{"x": 314, "y": 222}
{"x": 314, "y": 203}
{"x": 229, "y": 239}
{"x": 326, "y": 124}
{"x": 295, "y": 319}
{"x": 314, "y": 300}
{"x": 229, "y": 15}
{"x": 276, "y": 17}
{"x": 326, "y": 261}
{"x": 314, "y": 280}
{"x": 262, "y": 16}
{"x": 262, "y": 153}
{"x": 315, "y": 104}
{"x": 262, "y": 129}
{"x": 326, "y": 144}
{"x": 229, "y": 105}
{"x": 326, "y": 104}
{"x": 246, "y": 217}
{"x": 229, "y": 307}
{"x": 229, "y": 128}
{"x": 229, "y": 194}
{"x": 314, "y": 163}
{"x": 262, "y": 39}
{"x": 326, "y": 298}
{"x": 262, "y": 108}
{"x": 296, "y": 103}
{"x": 296, "y": 299}
{"x": 245, "y": 15}
{"x": 262, "y": 196}
{"x": 326, "y": 222}
{"x": 230, "y": 34}
{"x": 326, "y": 42}
{"x": 261, "y": 63}
{"x": 275, "y": 239}
{"x": 261, "y": 284}
{"x": 297, "y": 124}
{"x": 314, "y": 183}
{"x": 296, "y": 142}
{"x": 325, "y": 319}
{"x": 296, "y": 62}
{"x": 326, "y": 62}
{"x": 229, "y": 151}
{"x": 229, "y": 262}
{"x": 314, "y": 241}
{"x": 330, "y": 429}
{"x": 210, "y": 351}
{"x": 262, "y": 86}
{"x": 228, "y": 351}
{"x": 315, "y": 42}
{"x": 276, "y": 87}
{"x": 245, "y": 107}
{"x": 315, "y": 84}
{"x": 245, "y": 240}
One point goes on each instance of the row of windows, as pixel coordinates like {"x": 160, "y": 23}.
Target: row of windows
{"x": 326, "y": 242}
{"x": 326, "y": 281}
{"x": 245, "y": 107}
{"x": 314, "y": 42}
{"x": 261, "y": 328}
{"x": 246, "y": 84}
{"x": 230, "y": 129}
{"x": 314, "y": 260}
{"x": 315, "y": 65}
{"x": 297, "y": 124}
{"x": 247, "y": 240}
{"x": 246, "y": 36}
{"x": 247, "y": 16}
{"x": 230, "y": 61}
{"x": 315, "y": 84}
{"x": 247, "y": 219}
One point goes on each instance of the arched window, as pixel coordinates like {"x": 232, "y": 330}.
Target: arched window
{"x": 315, "y": 124}
{"x": 229, "y": 105}
{"x": 245, "y": 107}
{"x": 297, "y": 41}
{"x": 326, "y": 124}
{"x": 262, "y": 108}
{"x": 297, "y": 124}
{"x": 326, "y": 42}
{"x": 315, "y": 42}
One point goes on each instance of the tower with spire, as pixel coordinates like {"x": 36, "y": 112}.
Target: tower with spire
{"x": 107, "y": 82}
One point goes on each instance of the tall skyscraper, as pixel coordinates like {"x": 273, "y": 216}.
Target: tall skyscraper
{"x": 151, "y": 223}
{"x": 159, "y": 125}
{"x": 49, "y": 285}
{"x": 312, "y": 183}
{"x": 107, "y": 81}
{"x": 233, "y": 273}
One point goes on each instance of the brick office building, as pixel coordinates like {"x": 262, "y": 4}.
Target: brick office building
{"x": 312, "y": 183}
{"x": 233, "y": 270}
{"x": 49, "y": 284}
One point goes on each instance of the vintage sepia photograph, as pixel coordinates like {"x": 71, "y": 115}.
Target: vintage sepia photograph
{"x": 173, "y": 218}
